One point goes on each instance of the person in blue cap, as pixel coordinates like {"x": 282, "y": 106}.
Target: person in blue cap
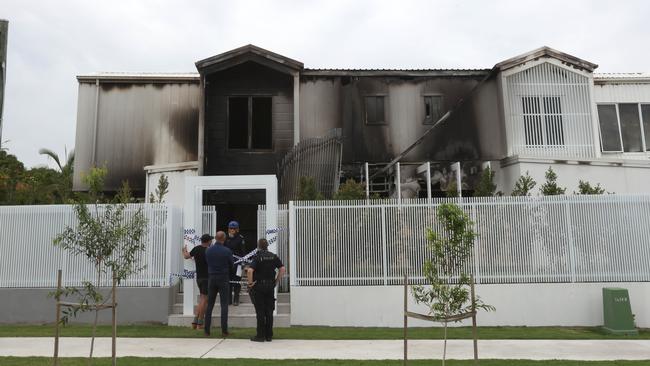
{"x": 235, "y": 242}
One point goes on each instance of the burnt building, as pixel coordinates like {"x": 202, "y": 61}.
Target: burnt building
{"x": 252, "y": 111}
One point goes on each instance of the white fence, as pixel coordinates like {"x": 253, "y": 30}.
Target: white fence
{"x": 29, "y": 258}
{"x": 520, "y": 239}
{"x": 282, "y": 238}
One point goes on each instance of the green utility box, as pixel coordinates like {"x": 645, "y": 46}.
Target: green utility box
{"x": 617, "y": 311}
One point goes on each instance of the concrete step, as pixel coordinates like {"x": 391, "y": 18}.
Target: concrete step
{"x": 234, "y": 321}
{"x": 242, "y": 309}
{"x": 243, "y": 297}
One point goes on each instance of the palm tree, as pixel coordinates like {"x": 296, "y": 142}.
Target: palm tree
{"x": 64, "y": 187}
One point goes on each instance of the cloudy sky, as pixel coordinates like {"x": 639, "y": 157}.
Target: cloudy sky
{"x": 50, "y": 42}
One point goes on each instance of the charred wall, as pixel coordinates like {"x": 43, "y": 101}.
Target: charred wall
{"x": 137, "y": 124}
{"x": 247, "y": 79}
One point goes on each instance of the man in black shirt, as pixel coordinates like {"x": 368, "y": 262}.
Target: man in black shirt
{"x": 235, "y": 242}
{"x": 198, "y": 253}
{"x": 262, "y": 280}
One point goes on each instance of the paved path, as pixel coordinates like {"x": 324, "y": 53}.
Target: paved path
{"x": 358, "y": 350}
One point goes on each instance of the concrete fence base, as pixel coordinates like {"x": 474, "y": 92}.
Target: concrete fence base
{"x": 562, "y": 304}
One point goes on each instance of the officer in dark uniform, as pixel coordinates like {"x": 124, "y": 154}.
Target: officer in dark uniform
{"x": 235, "y": 242}
{"x": 262, "y": 280}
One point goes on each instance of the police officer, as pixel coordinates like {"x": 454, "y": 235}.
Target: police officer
{"x": 235, "y": 242}
{"x": 262, "y": 280}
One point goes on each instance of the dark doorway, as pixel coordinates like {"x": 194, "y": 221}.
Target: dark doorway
{"x": 240, "y": 206}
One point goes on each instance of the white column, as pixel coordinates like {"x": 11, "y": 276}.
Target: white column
{"x": 296, "y": 108}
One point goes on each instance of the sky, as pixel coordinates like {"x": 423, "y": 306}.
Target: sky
{"x": 50, "y": 42}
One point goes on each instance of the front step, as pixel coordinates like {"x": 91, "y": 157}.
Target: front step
{"x": 242, "y": 309}
{"x": 234, "y": 321}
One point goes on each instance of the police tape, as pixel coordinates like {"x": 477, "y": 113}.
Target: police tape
{"x": 190, "y": 275}
{"x": 245, "y": 259}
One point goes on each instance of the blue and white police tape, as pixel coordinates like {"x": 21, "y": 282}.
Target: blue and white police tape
{"x": 247, "y": 259}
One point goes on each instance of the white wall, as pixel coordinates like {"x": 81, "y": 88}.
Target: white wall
{"x": 614, "y": 176}
{"x": 564, "y": 304}
{"x": 176, "y": 195}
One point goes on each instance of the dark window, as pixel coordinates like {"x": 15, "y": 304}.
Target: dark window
{"x": 630, "y": 127}
{"x": 432, "y": 108}
{"x": 553, "y": 121}
{"x": 645, "y": 115}
{"x": 609, "y": 132}
{"x": 543, "y": 125}
{"x": 238, "y": 123}
{"x": 375, "y": 110}
{"x": 532, "y": 121}
{"x": 250, "y": 123}
{"x": 262, "y": 123}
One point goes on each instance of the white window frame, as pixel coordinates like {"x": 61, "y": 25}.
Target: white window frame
{"x": 644, "y": 143}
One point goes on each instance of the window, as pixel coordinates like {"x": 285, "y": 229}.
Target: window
{"x": 250, "y": 123}
{"x": 624, "y": 127}
{"x": 432, "y": 108}
{"x": 375, "y": 110}
{"x": 543, "y": 125}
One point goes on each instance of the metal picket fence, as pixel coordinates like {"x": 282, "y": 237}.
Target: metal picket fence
{"x": 29, "y": 258}
{"x": 282, "y": 238}
{"x": 603, "y": 238}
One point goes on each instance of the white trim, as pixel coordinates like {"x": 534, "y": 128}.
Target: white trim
{"x": 194, "y": 187}
{"x": 173, "y": 167}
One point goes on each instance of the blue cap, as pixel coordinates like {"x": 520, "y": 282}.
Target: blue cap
{"x": 233, "y": 225}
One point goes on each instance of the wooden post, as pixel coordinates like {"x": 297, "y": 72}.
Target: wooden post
{"x": 58, "y": 318}
{"x": 471, "y": 278}
{"x": 114, "y": 305}
{"x": 405, "y": 318}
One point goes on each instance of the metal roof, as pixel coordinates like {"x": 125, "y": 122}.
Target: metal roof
{"x": 395, "y": 72}
{"x": 622, "y": 77}
{"x": 546, "y": 52}
{"x": 148, "y": 77}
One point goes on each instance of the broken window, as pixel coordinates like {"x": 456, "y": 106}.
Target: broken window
{"x": 375, "y": 110}
{"x": 543, "y": 124}
{"x": 250, "y": 123}
{"x": 609, "y": 131}
{"x": 432, "y": 108}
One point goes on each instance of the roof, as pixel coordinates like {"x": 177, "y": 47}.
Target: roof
{"x": 546, "y": 52}
{"x": 248, "y": 53}
{"x": 146, "y": 77}
{"x": 631, "y": 77}
{"x": 395, "y": 72}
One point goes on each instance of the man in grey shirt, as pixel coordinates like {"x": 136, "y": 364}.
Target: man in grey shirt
{"x": 220, "y": 264}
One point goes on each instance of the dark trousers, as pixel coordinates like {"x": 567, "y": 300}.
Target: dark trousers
{"x": 217, "y": 285}
{"x": 264, "y": 302}
{"x": 235, "y": 288}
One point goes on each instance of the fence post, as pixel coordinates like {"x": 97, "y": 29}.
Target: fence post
{"x": 569, "y": 232}
{"x": 169, "y": 227}
{"x": 292, "y": 245}
{"x": 383, "y": 243}
{"x": 476, "y": 246}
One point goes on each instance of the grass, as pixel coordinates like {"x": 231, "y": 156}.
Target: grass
{"x": 133, "y": 361}
{"x": 163, "y": 331}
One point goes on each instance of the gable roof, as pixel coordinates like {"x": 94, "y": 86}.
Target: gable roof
{"x": 546, "y": 52}
{"x": 248, "y": 53}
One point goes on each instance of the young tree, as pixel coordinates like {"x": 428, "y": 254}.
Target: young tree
{"x": 524, "y": 185}
{"x": 307, "y": 190}
{"x": 550, "y": 187}
{"x": 350, "y": 190}
{"x": 110, "y": 238}
{"x": 161, "y": 190}
{"x": 586, "y": 188}
{"x": 452, "y": 189}
{"x": 486, "y": 186}
{"x": 450, "y": 251}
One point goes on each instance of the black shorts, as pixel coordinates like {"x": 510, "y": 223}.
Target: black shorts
{"x": 203, "y": 285}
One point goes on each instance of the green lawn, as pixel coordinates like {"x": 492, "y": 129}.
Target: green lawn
{"x": 133, "y": 361}
{"x": 163, "y": 331}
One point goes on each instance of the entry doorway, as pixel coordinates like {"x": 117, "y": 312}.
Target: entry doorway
{"x": 251, "y": 186}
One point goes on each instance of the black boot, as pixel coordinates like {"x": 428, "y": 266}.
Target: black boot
{"x": 236, "y": 300}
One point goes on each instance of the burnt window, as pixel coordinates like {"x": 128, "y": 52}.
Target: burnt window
{"x": 250, "y": 123}
{"x": 543, "y": 124}
{"x": 375, "y": 110}
{"x": 432, "y": 108}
